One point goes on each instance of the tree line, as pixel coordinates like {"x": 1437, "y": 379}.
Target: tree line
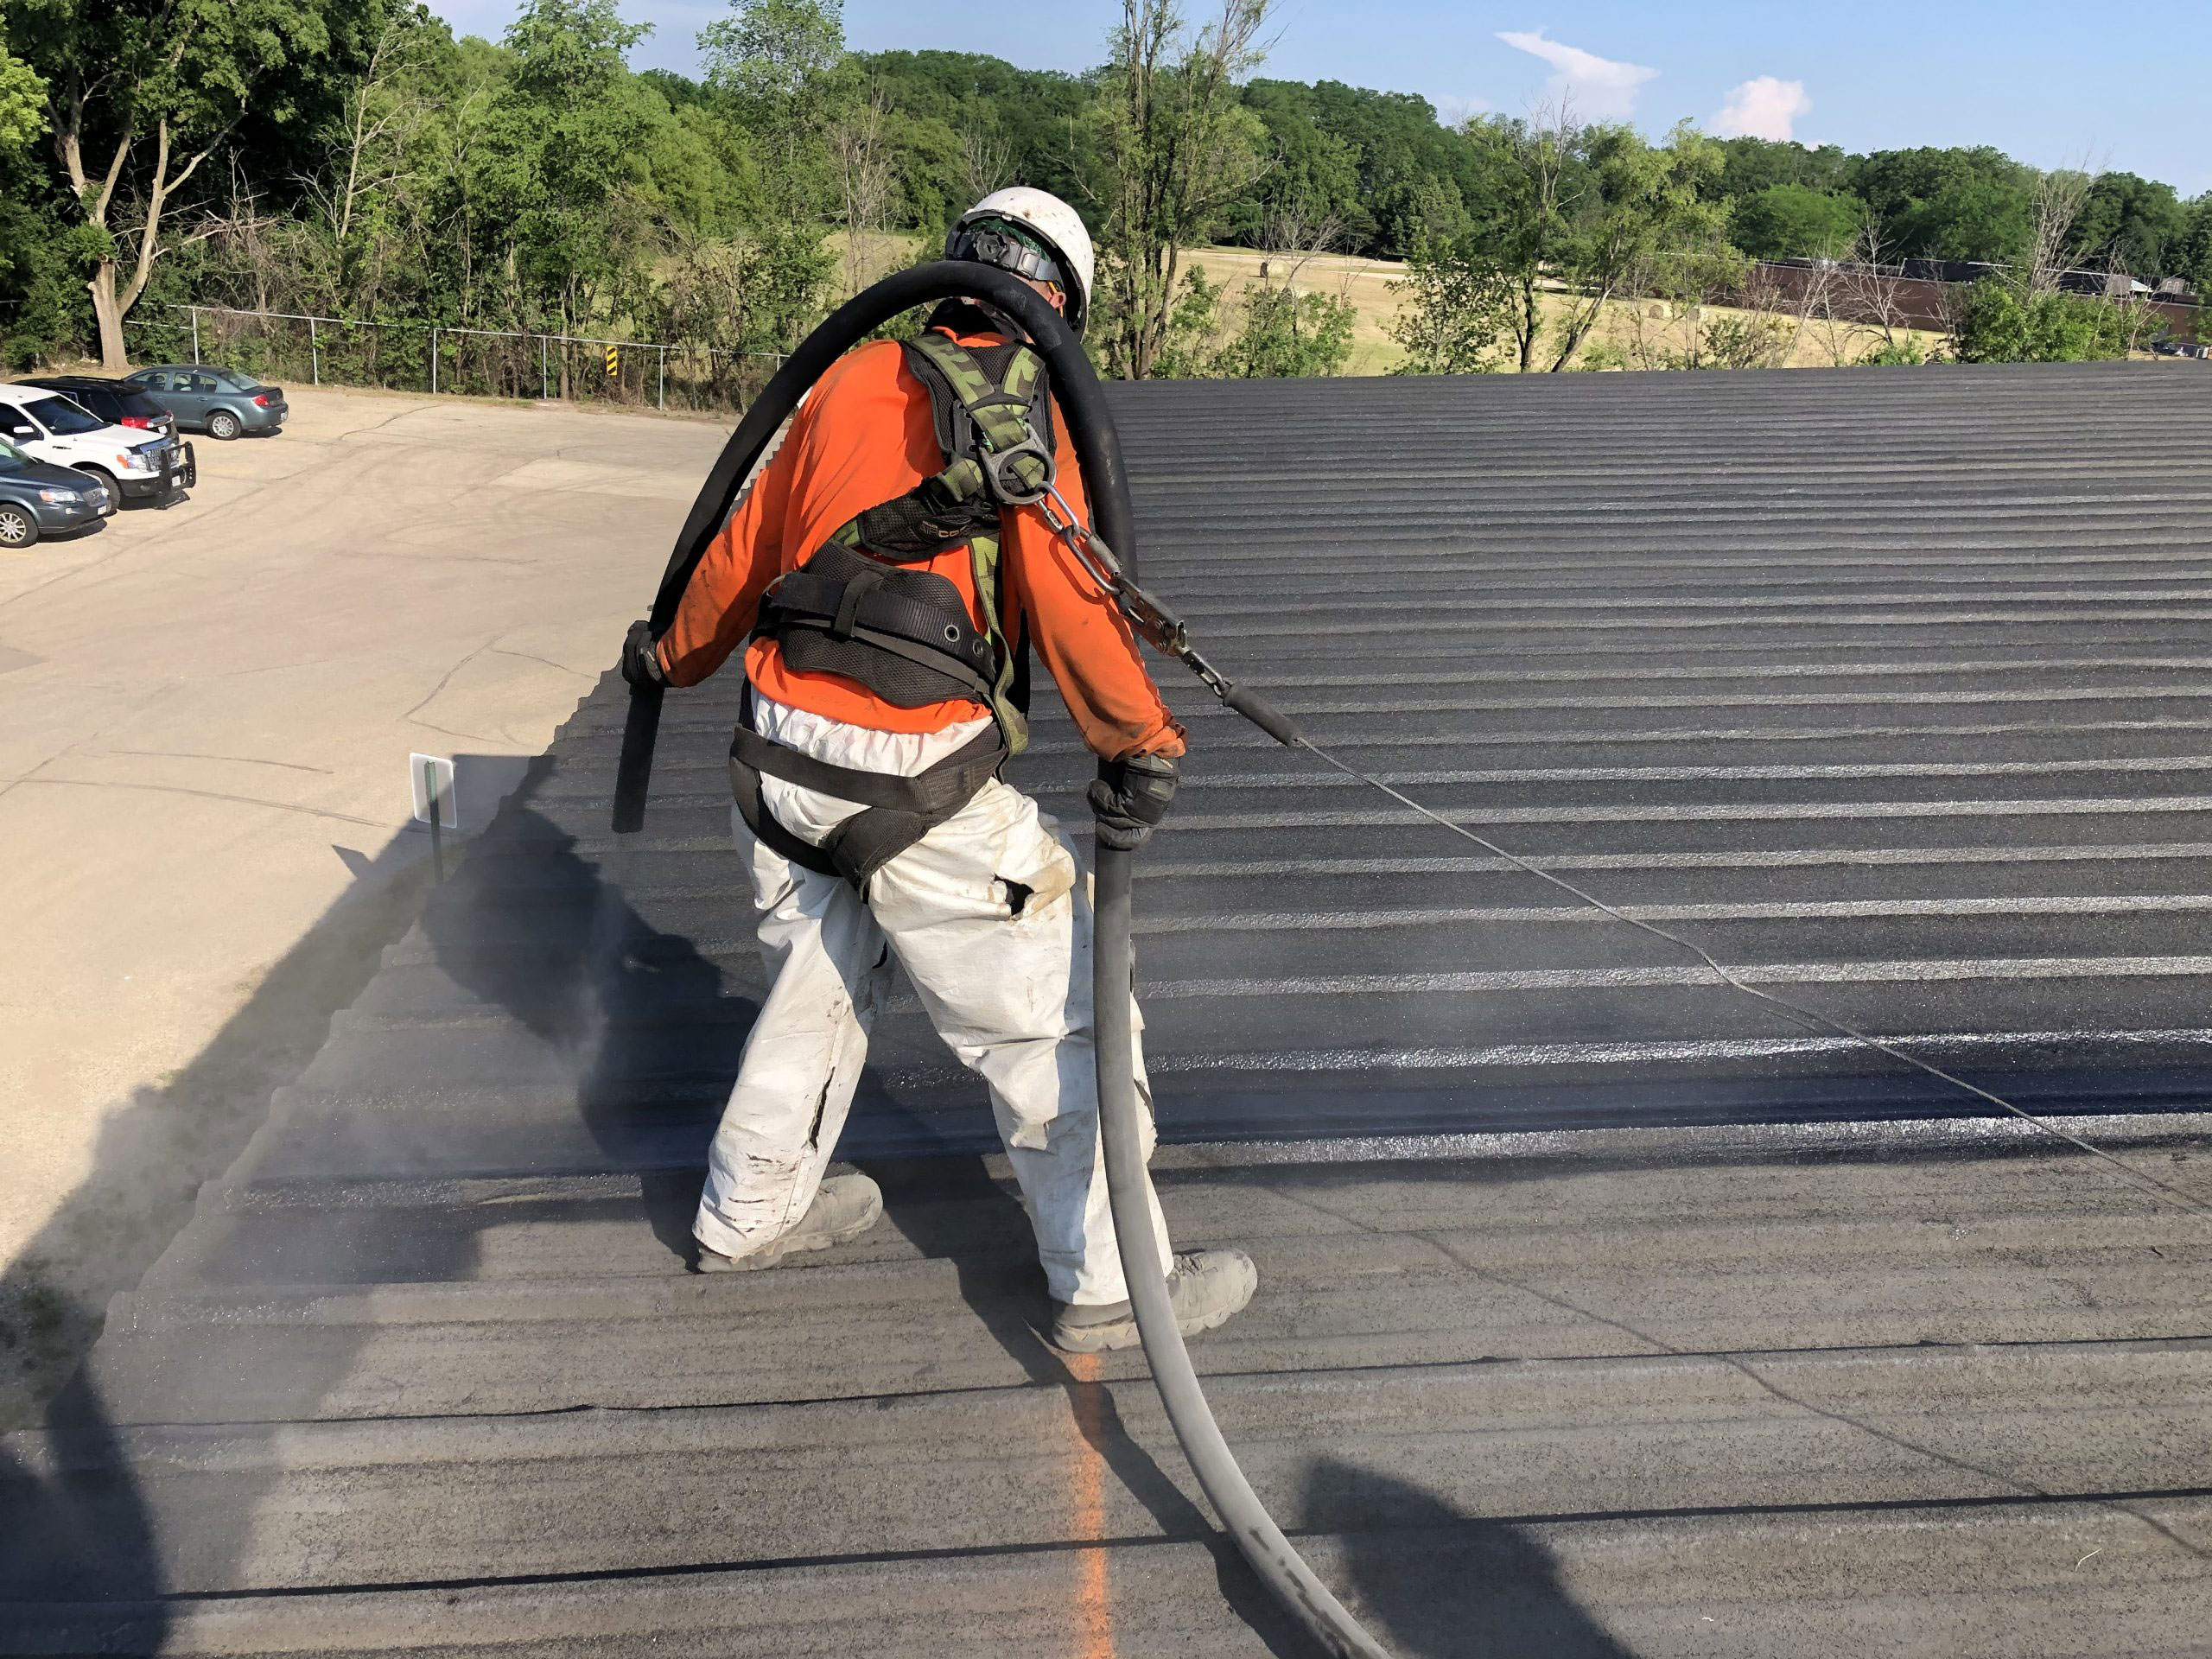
{"x": 355, "y": 158}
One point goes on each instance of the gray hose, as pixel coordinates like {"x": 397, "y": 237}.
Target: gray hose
{"x": 1242, "y": 1515}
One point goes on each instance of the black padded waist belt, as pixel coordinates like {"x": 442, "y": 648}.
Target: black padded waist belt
{"x": 904, "y": 635}
{"x": 896, "y": 811}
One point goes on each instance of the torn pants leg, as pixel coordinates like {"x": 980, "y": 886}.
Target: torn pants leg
{"x": 830, "y": 972}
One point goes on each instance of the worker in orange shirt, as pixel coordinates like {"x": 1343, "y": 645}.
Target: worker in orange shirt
{"x": 886, "y": 576}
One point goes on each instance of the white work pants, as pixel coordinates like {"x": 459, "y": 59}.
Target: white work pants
{"x": 989, "y": 918}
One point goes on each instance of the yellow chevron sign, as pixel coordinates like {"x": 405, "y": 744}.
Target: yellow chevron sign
{"x": 614, "y": 360}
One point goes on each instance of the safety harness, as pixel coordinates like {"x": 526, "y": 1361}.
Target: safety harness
{"x": 907, "y": 634}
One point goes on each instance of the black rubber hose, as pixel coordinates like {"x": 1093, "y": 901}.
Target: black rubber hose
{"x": 1098, "y": 450}
{"x": 1083, "y": 404}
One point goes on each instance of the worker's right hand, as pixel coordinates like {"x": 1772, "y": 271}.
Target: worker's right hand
{"x": 640, "y": 661}
{"x": 1131, "y": 797}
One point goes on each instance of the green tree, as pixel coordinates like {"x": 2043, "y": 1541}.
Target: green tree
{"x": 1791, "y": 221}
{"x": 1193, "y": 340}
{"x": 23, "y": 98}
{"x": 571, "y": 128}
{"x": 2192, "y": 259}
{"x": 2135, "y": 222}
{"x": 1288, "y": 335}
{"x": 141, "y": 94}
{"x": 1981, "y": 220}
{"x": 1313, "y": 176}
{"x": 1377, "y": 163}
{"x": 1171, "y": 145}
{"x": 1949, "y": 204}
{"x": 1456, "y": 309}
{"x": 35, "y": 270}
{"x": 783, "y": 66}
{"x": 1751, "y": 165}
{"x": 1592, "y": 208}
{"x": 1284, "y": 333}
{"x": 965, "y": 125}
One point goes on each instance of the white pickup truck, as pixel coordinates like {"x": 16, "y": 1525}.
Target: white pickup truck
{"x": 47, "y": 426}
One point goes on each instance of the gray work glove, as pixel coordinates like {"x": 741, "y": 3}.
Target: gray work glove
{"x": 1131, "y": 797}
{"x": 640, "y": 662}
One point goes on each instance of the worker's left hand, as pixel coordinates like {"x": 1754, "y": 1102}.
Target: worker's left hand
{"x": 1131, "y": 797}
{"x": 640, "y": 662}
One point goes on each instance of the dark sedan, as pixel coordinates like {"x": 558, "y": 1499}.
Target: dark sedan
{"x": 222, "y": 402}
{"x": 116, "y": 402}
{"x": 39, "y": 499}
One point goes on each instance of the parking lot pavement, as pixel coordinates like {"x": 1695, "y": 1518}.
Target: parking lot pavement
{"x": 210, "y": 708}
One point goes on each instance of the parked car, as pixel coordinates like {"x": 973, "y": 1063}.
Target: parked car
{"x": 121, "y": 403}
{"x": 116, "y": 402}
{"x": 131, "y": 461}
{"x": 39, "y": 499}
{"x": 222, "y": 402}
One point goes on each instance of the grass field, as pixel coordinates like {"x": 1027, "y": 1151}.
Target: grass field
{"x": 1637, "y": 331}
{"x": 1368, "y": 283}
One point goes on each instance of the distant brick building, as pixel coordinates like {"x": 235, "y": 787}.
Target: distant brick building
{"x": 1922, "y": 293}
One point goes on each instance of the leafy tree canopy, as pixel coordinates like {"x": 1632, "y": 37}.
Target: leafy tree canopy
{"x": 1790, "y": 221}
{"x": 352, "y": 157}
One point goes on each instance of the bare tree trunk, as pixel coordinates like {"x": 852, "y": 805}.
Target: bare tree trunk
{"x": 113, "y": 293}
{"x": 1873, "y": 293}
{"x": 109, "y": 314}
{"x": 1540, "y": 154}
{"x": 866, "y": 165}
{"x": 2058, "y": 199}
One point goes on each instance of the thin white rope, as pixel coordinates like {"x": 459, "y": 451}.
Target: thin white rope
{"x": 1797, "y": 1012}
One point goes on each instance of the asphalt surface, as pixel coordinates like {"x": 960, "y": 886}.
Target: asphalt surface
{"x": 1886, "y": 685}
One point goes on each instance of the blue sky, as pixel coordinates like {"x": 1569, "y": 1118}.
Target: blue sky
{"x": 2128, "y": 88}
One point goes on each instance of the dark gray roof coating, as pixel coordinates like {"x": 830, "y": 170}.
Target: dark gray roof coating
{"x": 1890, "y": 685}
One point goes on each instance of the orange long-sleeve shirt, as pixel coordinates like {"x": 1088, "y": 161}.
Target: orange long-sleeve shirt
{"x": 863, "y": 436}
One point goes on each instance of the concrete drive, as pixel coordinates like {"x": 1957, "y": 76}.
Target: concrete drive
{"x": 209, "y": 711}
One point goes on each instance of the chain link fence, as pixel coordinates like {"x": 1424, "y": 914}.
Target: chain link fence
{"x": 431, "y": 357}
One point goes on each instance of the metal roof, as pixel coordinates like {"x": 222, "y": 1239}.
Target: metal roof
{"x": 1889, "y": 686}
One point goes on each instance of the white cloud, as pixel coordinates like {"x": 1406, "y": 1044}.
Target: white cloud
{"x": 1764, "y": 108}
{"x": 1598, "y": 88}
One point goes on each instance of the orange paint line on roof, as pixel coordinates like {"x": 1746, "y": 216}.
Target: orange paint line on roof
{"x": 1087, "y": 1487}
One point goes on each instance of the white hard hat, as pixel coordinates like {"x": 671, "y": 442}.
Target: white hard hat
{"x": 1046, "y": 220}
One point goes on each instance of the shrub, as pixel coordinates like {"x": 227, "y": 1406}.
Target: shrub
{"x": 2000, "y": 322}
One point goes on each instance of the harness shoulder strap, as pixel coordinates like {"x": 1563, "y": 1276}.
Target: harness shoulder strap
{"x": 992, "y": 417}
{"x": 1013, "y": 464}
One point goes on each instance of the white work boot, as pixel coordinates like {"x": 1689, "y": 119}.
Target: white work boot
{"x": 844, "y": 1207}
{"x": 1205, "y": 1287}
